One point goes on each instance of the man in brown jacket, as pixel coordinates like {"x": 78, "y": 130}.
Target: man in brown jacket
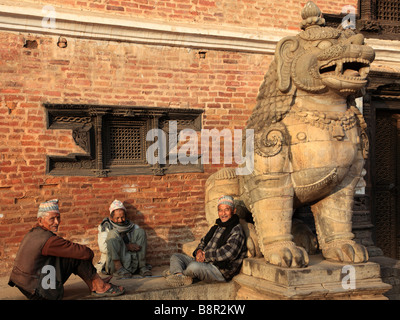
{"x": 45, "y": 261}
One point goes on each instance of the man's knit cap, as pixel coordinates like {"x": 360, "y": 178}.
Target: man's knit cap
{"x": 48, "y": 206}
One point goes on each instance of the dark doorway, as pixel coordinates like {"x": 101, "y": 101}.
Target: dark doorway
{"x": 387, "y": 178}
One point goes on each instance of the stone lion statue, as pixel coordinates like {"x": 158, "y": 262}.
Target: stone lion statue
{"x": 310, "y": 144}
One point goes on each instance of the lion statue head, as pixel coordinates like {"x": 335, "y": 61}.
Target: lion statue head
{"x": 318, "y": 61}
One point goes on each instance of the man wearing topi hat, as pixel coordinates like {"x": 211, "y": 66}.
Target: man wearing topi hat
{"x": 219, "y": 255}
{"x": 45, "y": 261}
{"x": 122, "y": 244}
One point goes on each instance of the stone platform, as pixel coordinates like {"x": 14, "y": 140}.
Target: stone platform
{"x": 137, "y": 288}
{"x": 321, "y": 280}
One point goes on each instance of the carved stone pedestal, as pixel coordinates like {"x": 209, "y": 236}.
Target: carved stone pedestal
{"x": 321, "y": 280}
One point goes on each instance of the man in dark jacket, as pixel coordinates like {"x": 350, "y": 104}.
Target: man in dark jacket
{"x": 219, "y": 255}
{"x": 45, "y": 261}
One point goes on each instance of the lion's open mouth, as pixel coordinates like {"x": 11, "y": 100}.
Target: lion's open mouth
{"x": 347, "y": 68}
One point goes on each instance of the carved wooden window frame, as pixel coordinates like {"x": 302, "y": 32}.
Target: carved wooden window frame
{"x": 91, "y": 127}
{"x": 370, "y": 22}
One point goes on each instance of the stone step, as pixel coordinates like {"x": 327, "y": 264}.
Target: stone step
{"x": 196, "y": 291}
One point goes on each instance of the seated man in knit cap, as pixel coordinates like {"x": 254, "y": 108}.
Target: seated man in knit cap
{"x": 45, "y": 261}
{"x": 123, "y": 245}
{"x": 219, "y": 255}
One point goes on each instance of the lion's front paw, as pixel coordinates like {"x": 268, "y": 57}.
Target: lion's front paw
{"x": 345, "y": 251}
{"x": 285, "y": 254}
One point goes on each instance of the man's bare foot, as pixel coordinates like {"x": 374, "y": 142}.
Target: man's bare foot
{"x": 99, "y": 285}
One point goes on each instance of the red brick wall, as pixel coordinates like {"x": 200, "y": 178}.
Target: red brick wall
{"x": 170, "y": 208}
{"x": 244, "y": 13}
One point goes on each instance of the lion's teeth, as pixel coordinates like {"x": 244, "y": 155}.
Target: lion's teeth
{"x": 339, "y": 67}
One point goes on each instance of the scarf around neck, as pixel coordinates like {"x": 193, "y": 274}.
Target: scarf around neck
{"x": 125, "y": 227}
{"x": 228, "y": 225}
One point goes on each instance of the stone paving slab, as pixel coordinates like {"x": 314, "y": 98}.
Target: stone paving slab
{"x": 76, "y": 289}
{"x": 136, "y": 288}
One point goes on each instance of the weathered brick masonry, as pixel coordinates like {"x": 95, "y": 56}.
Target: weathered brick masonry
{"x": 244, "y": 13}
{"x": 170, "y": 208}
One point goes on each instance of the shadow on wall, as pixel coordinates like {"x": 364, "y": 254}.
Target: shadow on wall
{"x": 166, "y": 240}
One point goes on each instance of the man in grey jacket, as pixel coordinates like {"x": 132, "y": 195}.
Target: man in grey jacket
{"x": 122, "y": 245}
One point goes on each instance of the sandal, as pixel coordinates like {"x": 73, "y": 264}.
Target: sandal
{"x": 122, "y": 273}
{"x": 144, "y": 272}
{"x": 107, "y": 279}
{"x": 113, "y": 291}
